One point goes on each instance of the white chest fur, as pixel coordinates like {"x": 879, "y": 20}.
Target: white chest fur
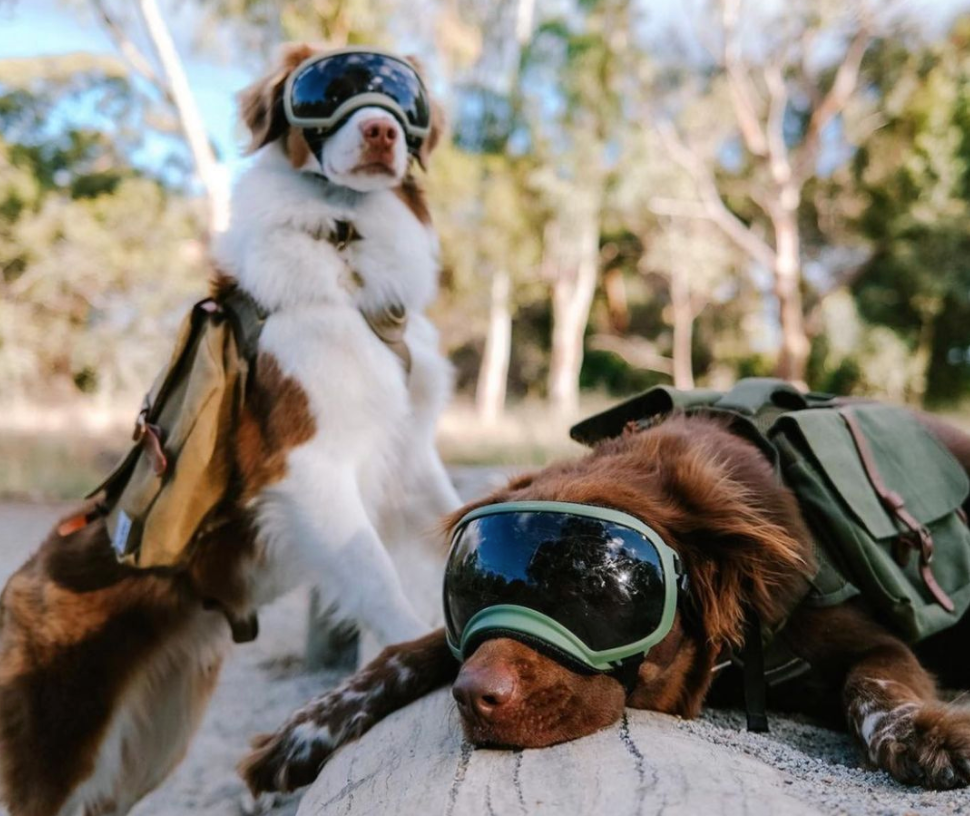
{"x": 356, "y": 484}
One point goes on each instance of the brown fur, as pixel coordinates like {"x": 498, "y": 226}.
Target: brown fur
{"x": 412, "y": 194}
{"x": 714, "y": 498}
{"x": 77, "y": 625}
{"x": 261, "y": 104}
{"x": 275, "y": 419}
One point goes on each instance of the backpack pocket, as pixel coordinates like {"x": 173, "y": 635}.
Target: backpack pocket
{"x": 178, "y": 473}
{"x": 884, "y": 500}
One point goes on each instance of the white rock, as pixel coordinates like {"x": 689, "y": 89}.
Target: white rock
{"x": 416, "y": 763}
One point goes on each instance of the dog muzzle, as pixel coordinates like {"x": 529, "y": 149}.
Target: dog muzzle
{"x": 591, "y": 587}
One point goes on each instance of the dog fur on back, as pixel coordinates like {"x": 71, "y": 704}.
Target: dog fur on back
{"x": 105, "y": 670}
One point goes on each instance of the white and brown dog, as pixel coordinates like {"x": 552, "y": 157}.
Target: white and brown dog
{"x": 105, "y": 669}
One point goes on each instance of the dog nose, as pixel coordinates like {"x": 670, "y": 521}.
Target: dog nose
{"x": 483, "y": 691}
{"x": 378, "y": 132}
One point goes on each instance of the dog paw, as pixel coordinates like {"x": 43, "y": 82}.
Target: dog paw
{"x": 286, "y": 760}
{"x": 924, "y": 745}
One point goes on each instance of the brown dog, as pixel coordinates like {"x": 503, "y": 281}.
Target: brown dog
{"x": 714, "y": 498}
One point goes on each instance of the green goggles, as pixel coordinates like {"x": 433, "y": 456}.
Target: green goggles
{"x": 591, "y": 587}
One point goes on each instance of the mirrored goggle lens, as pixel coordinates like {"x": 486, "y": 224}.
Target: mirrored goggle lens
{"x": 601, "y": 580}
{"x": 323, "y": 86}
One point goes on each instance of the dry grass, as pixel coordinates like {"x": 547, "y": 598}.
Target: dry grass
{"x": 528, "y": 435}
{"x": 64, "y": 453}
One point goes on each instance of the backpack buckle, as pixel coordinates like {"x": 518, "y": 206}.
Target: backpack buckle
{"x": 150, "y": 437}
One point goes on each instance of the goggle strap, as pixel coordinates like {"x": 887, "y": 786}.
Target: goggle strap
{"x": 628, "y": 672}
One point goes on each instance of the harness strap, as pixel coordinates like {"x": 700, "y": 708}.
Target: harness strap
{"x": 917, "y": 537}
{"x": 755, "y": 687}
{"x": 247, "y": 318}
{"x": 343, "y": 233}
{"x": 627, "y": 673}
{"x": 389, "y": 325}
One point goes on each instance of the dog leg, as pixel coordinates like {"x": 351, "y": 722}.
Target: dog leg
{"x": 339, "y": 549}
{"x": 294, "y": 754}
{"x": 436, "y": 487}
{"x": 888, "y": 699}
{"x": 892, "y": 707}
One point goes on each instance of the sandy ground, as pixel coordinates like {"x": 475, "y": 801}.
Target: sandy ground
{"x": 264, "y": 681}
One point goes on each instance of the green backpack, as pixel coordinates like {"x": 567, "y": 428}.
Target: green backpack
{"x": 883, "y": 498}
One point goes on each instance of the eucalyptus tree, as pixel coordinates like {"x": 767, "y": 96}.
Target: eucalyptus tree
{"x": 97, "y": 251}
{"x": 911, "y": 193}
{"x": 142, "y": 37}
{"x": 788, "y": 72}
{"x": 573, "y": 76}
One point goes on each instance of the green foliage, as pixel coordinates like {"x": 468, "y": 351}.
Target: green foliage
{"x": 913, "y": 178}
{"x": 96, "y": 257}
{"x": 99, "y": 254}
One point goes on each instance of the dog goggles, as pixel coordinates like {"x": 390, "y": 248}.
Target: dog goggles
{"x": 589, "y": 586}
{"x": 327, "y": 88}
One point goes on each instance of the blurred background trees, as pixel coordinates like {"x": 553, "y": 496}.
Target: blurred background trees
{"x": 631, "y": 193}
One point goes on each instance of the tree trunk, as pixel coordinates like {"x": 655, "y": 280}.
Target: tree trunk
{"x": 680, "y": 303}
{"x": 617, "y": 303}
{"x": 493, "y": 374}
{"x": 793, "y": 357}
{"x": 214, "y": 177}
{"x": 572, "y": 295}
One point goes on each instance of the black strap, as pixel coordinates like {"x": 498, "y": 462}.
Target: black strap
{"x": 247, "y": 318}
{"x": 628, "y": 673}
{"x": 755, "y": 689}
{"x": 344, "y": 232}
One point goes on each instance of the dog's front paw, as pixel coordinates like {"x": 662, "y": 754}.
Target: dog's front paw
{"x": 926, "y": 745}
{"x": 286, "y": 760}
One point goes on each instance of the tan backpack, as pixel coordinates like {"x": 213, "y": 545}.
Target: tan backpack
{"x": 169, "y": 489}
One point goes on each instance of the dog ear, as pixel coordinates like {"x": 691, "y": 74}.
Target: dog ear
{"x": 261, "y": 104}
{"x": 438, "y": 126}
{"x": 438, "y": 121}
{"x": 715, "y": 499}
{"x": 739, "y": 532}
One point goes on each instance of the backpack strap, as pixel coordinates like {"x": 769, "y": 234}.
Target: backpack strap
{"x": 916, "y": 534}
{"x": 641, "y": 409}
{"x": 389, "y": 325}
{"x": 750, "y": 395}
{"x": 247, "y": 318}
{"x": 145, "y": 434}
{"x": 755, "y": 686}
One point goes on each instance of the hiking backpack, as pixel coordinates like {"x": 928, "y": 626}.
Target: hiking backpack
{"x": 883, "y": 498}
{"x": 167, "y": 492}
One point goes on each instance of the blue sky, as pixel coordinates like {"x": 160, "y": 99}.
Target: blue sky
{"x": 30, "y": 28}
